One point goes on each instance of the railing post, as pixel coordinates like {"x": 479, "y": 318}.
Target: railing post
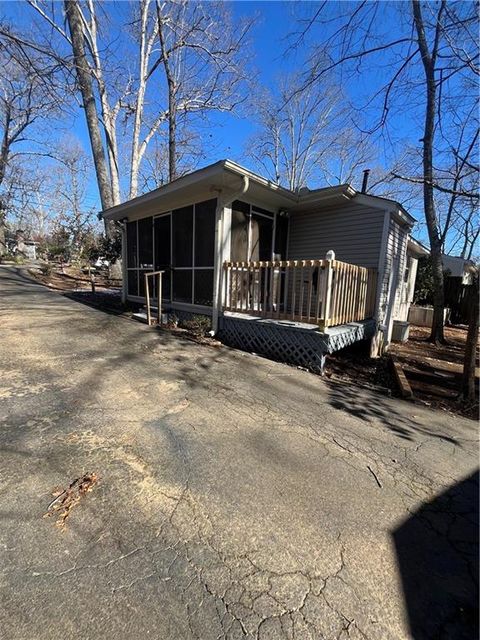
{"x": 147, "y": 299}
{"x": 327, "y": 290}
{"x": 159, "y": 299}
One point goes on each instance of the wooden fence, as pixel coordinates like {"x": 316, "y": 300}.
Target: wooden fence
{"x": 460, "y": 299}
{"x": 321, "y": 292}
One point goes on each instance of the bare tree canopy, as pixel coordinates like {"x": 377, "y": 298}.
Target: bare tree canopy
{"x": 304, "y": 135}
{"x": 427, "y": 69}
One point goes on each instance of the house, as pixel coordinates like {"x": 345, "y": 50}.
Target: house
{"x": 458, "y": 267}
{"x": 291, "y": 275}
{"x": 19, "y": 244}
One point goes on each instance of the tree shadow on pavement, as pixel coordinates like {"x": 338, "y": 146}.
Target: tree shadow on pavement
{"x": 437, "y": 551}
{"x": 393, "y": 414}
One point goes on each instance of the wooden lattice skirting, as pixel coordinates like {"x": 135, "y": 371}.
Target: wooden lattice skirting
{"x": 293, "y": 345}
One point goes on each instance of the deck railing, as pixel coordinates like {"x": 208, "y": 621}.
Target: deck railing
{"x": 322, "y": 292}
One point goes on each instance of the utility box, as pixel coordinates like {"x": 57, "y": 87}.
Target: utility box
{"x": 400, "y": 331}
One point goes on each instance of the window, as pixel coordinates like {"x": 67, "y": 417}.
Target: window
{"x": 260, "y": 237}
{"x": 182, "y": 285}
{"x": 132, "y": 245}
{"x": 162, "y": 239}
{"x": 205, "y": 233}
{"x": 281, "y": 236}
{"x": 182, "y": 235}
{"x": 132, "y": 282}
{"x": 203, "y": 287}
{"x": 240, "y": 230}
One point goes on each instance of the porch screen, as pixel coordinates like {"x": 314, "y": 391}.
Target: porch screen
{"x": 193, "y": 239}
{"x": 132, "y": 259}
{"x": 182, "y": 245}
{"x": 139, "y": 254}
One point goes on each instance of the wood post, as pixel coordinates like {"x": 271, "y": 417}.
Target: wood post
{"x": 327, "y": 294}
{"x": 147, "y": 299}
{"x": 159, "y": 299}
{"x": 159, "y": 296}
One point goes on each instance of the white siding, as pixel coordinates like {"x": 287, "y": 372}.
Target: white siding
{"x": 353, "y": 231}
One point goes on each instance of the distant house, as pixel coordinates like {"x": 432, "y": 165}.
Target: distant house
{"x": 292, "y": 275}
{"x": 457, "y": 267}
{"x": 19, "y": 243}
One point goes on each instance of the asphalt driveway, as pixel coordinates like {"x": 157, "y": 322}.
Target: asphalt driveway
{"x": 237, "y": 497}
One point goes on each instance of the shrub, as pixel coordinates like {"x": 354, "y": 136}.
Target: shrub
{"x": 198, "y": 325}
{"x": 46, "y": 269}
{"x": 7, "y": 257}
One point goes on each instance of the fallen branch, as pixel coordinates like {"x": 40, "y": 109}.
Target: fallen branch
{"x": 64, "y": 500}
{"x": 374, "y": 475}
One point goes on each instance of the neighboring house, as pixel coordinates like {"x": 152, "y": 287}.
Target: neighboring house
{"x": 255, "y": 257}
{"x": 19, "y": 244}
{"x": 457, "y": 267}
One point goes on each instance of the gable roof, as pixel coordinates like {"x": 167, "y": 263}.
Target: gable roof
{"x": 222, "y": 177}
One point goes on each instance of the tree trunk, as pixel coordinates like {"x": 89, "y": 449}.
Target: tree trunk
{"x": 172, "y": 131}
{"x": 86, "y": 89}
{"x": 471, "y": 349}
{"x": 428, "y": 200}
{"x": 172, "y": 99}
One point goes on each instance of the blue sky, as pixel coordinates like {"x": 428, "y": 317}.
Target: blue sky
{"x": 227, "y": 135}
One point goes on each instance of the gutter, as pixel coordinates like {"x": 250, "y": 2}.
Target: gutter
{"x": 222, "y": 202}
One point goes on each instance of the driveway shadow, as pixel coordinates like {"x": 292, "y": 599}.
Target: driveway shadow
{"x": 437, "y": 550}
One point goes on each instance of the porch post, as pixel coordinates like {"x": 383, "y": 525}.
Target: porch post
{"x": 222, "y": 202}
{"x": 327, "y": 290}
{"x": 123, "y": 231}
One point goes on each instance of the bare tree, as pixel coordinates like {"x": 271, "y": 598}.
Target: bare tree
{"x": 68, "y": 194}
{"x": 23, "y": 101}
{"x": 85, "y": 82}
{"x": 187, "y": 60}
{"x": 303, "y": 135}
{"x": 203, "y": 60}
{"x": 424, "y": 67}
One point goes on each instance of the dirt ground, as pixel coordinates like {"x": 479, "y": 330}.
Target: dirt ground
{"x": 74, "y": 282}
{"x": 435, "y": 372}
{"x": 71, "y": 278}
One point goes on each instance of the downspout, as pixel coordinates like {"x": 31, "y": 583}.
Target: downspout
{"x": 222, "y": 202}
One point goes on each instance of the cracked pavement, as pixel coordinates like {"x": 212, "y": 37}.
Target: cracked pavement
{"x": 237, "y": 497}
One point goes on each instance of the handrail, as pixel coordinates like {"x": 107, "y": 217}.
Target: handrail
{"x": 159, "y": 296}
